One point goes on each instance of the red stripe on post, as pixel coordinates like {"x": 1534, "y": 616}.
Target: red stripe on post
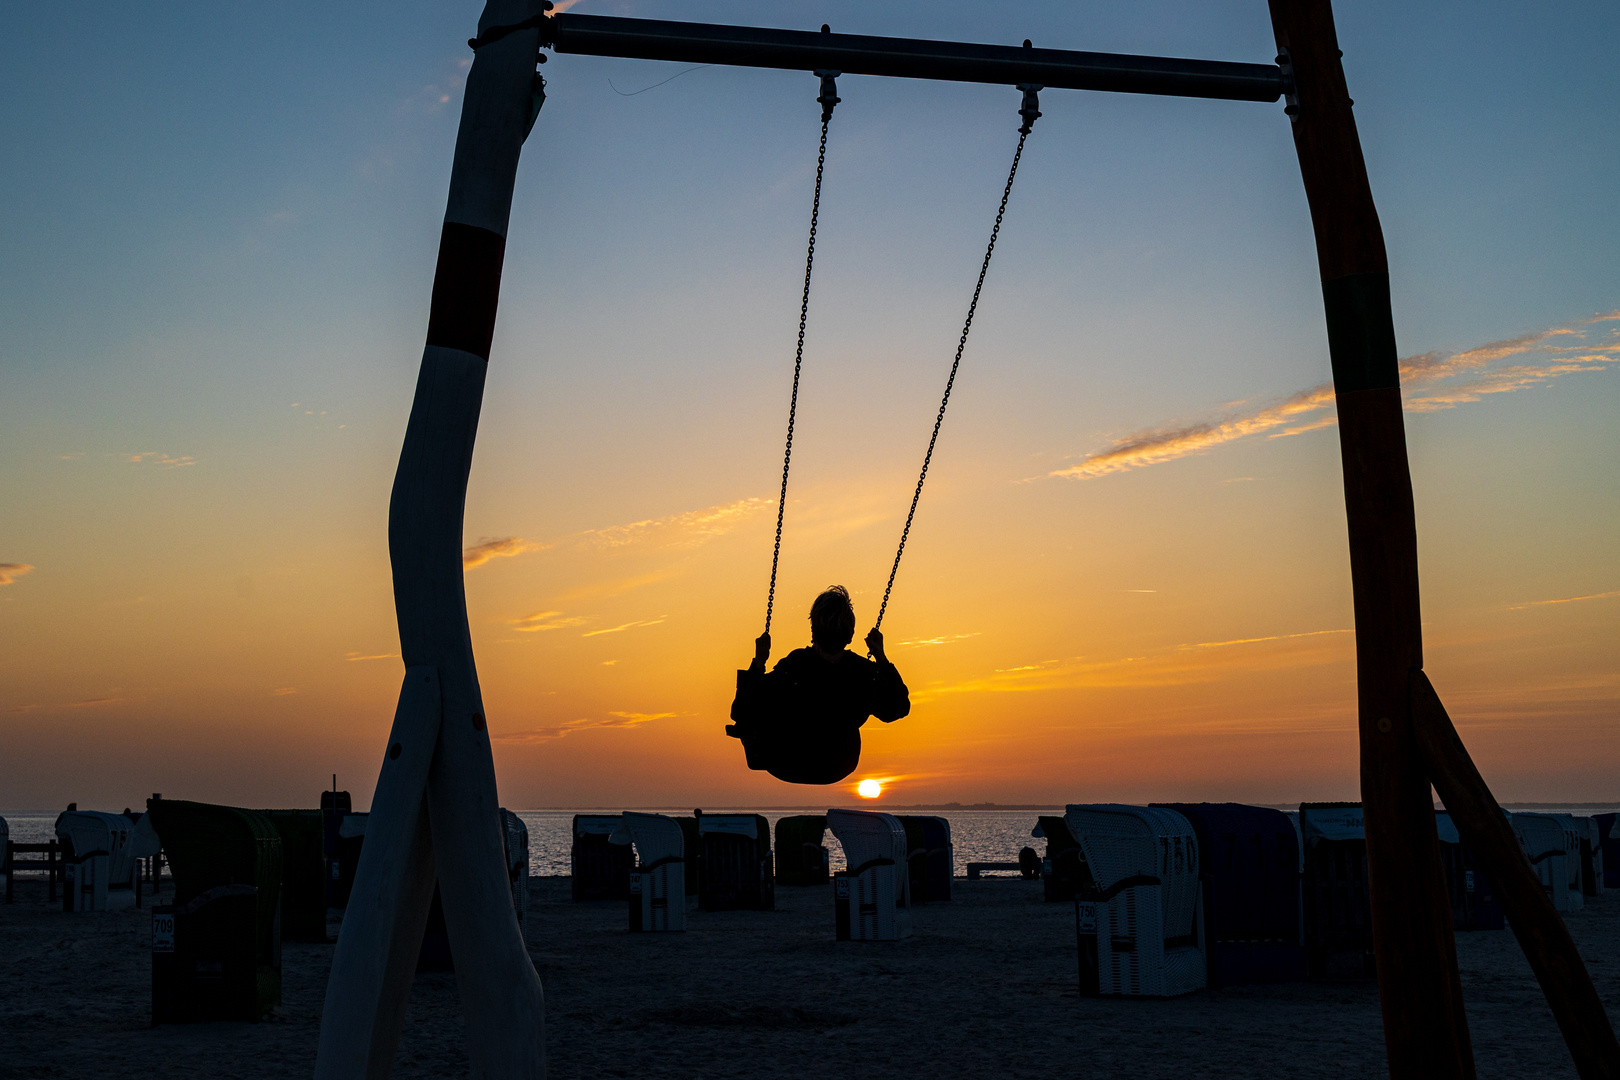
{"x": 466, "y": 288}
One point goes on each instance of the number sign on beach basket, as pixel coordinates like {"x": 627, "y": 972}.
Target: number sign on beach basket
{"x": 801, "y": 857}
{"x": 1248, "y": 859}
{"x": 657, "y": 893}
{"x": 930, "y": 857}
{"x": 1338, "y": 929}
{"x": 226, "y": 863}
{"x": 1140, "y": 930}
{"x": 599, "y": 870}
{"x": 736, "y": 866}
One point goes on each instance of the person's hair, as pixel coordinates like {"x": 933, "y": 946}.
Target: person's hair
{"x": 832, "y": 618}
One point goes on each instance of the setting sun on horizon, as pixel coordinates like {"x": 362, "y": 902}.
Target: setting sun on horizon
{"x": 869, "y": 789}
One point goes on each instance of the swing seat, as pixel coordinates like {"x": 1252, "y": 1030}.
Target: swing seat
{"x": 794, "y": 751}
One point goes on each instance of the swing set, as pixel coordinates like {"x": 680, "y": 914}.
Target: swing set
{"x": 434, "y": 814}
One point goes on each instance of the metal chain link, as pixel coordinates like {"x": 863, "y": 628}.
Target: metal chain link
{"x": 961, "y": 344}
{"x": 798, "y": 364}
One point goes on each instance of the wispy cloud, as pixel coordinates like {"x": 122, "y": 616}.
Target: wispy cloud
{"x": 586, "y": 723}
{"x": 352, "y": 657}
{"x": 502, "y": 547}
{"x": 1172, "y": 666}
{"x": 625, "y": 626}
{"x": 680, "y": 530}
{"x": 943, "y": 639}
{"x": 1430, "y": 381}
{"x": 11, "y": 571}
{"x": 545, "y": 620}
{"x": 153, "y": 457}
{"x": 1566, "y": 600}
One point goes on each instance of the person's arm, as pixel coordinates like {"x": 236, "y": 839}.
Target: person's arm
{"x": 890, "y": 699}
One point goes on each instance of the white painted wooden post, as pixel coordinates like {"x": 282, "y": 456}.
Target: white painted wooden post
{"x": 460, "y": 837}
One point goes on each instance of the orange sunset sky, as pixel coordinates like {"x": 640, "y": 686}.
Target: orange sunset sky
{"x": 1128, "y": 579}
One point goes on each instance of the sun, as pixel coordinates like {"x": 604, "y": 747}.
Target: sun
{"x": 869, "y": 789}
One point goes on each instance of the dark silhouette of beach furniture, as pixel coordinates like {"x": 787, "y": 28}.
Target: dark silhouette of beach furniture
{"x": 1062, "y": 869}
{"x": 1553, "y": 846}
{"x": 515, "y": 836}
{"x": 735, "y": 872}
{"x": 872, "y": 896}
{"x": 216, "y": 950}
{"x": 599, "y": 870}
{"x": 351, "y": 840}
{"x": 1338, "y": 928}
{"x": 99, "y": 871}
{"x": 1249, "y": 873}
{"x": 303, "y": 873}
{"x": 1608, "y": 840}
{"x": 1139, "y": 923}
{"x": 335, "y": 805}
{"x": 1594, "y": 877}
{"x": 1474, "y": 903}
{"x": 801, "y": 857}
{"x": 976, "y": 870}
{"x": 657, "y": 893}
{"x": 930, "y": 858}
{"x": 11, "y": 866}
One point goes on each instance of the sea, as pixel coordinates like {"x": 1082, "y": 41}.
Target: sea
{"x": 978, "y": 835}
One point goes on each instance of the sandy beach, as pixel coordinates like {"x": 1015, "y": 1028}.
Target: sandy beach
{"x": 986, "y": 986}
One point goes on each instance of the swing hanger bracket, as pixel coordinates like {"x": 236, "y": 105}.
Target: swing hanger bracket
{"x": 829, "y": 92}
{"x": 1030, "y": 110}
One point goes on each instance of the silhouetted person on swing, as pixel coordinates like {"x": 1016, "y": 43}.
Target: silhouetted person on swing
{"x": 802, "y": 721}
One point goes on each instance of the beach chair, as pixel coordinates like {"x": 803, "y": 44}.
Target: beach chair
{"x": 1608, "y": 832}
{"x": 930, "y": 858}
{"x": 99, "y": 868}
{"x": 1574, "y": 835}
{"x": 1063, "y": 871}
{"x": 801, "y": 857}
{"x": 1248, "y": 859}
{"x": 1474, "y": 905}
{"x": 1592, "y": 876}
{"x": 303, "y": 873}
{"x": 515, "y": 838}
{"x": 599, "y": 870}
{"x": 1547, "y": 844}
{"x": 657, "y": 884}
{"x": 735, "y": 872}
{"x": 1140, "y": 926}
{"x": 335, "y": 805}
{"x": 872, "y": 896}
{"x": 5, "y": 856}
{"x": 1338, "y": 920}
{"x": 221, "y": 959}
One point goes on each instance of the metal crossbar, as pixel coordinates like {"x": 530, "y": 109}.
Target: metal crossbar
{"x": 910, "y": 58}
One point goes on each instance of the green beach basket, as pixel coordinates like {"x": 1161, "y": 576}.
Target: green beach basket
{"x": 210, "y": 846}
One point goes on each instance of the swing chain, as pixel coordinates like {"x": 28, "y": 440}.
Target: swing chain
{"x": 1029, "y": 111}
{"x": 828, "y": 99}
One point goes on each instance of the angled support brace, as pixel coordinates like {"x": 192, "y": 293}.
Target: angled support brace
{"x": 1536, "y": 923}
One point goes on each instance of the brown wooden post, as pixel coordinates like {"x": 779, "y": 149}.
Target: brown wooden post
{"x": 1425, "y": 1030}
